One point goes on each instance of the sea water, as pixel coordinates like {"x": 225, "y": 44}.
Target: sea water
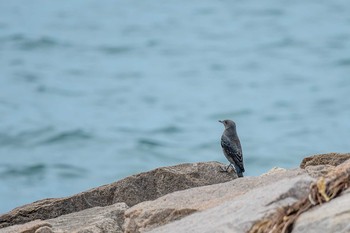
{"x": 93, "y": 91}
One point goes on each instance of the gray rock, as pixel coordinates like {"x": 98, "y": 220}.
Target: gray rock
{"x": 31, "y": 227}
{"x": 131, "y": 190}
{"x": 174, "y": 206}
{"x": 44, "y": 229}
{"x": 327, "y": 218}
{"x": 332, "y": 216}
{"x": 333, "y": 159}
{"x": 93, "y": 220}
{"x": 319, "y": 170}
{"x": 322, "y": 192}
{"x": 190, "y": 198}
{"x": 239, "y": 213}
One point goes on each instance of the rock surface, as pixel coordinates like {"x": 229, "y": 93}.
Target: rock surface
{"x": 149, "y": 214}
{"x": 239, "y": 214}
{"x": 333, "y": 159}
{"x": 327, "y": 218}
{"x": 31, "y": 227}
{"x": 97, "y": 220}
{"x": 194, "y": 198}
{"x": 319, "y": 170}
{"x": 131, "y": 190}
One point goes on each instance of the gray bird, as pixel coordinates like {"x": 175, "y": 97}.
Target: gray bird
{"x": 232, "y": 147}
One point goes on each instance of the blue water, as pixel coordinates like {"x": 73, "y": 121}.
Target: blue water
{"x": 93, "y": 91}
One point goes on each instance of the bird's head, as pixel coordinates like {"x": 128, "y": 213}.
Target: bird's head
{"x": 228, "y": 123}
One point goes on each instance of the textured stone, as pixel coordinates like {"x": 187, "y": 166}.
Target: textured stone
{"x": 322, "y": 192}
{"x": 274, "y": 170}
{"x": 238, "y": 214}
{"x": 131, "y": 190}
{"x": 30, "y": 227}
{"x": 170, "y": 200}
{"x": 93, "y": 220}
{"x": 44, "y": 229}
{"x": 174, "y": 206}
{"x": 333, "y": 159}
{"x": 327, "y": 218}
{"x": 319, "y": 170}
{"x": 343, "y": 167}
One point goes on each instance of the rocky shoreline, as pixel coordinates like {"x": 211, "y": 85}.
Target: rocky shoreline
{"x": 199, "y": 198}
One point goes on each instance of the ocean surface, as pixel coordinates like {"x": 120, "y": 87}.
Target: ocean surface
{"x": 93, "y": 91}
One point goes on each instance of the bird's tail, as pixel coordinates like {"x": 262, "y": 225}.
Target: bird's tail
{"x": 238, "y": 171}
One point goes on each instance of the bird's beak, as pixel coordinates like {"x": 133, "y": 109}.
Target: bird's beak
{"x": 221, "y": 121}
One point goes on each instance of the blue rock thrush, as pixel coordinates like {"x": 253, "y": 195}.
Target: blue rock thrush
{"x": 232, "y": 147}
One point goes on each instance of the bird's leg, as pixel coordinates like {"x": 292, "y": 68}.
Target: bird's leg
{"x": 226, "y": 168}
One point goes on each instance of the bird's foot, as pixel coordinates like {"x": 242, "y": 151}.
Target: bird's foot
{"x": 226, "y": 169}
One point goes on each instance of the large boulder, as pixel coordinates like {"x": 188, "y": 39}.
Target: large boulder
{"x": 171, "y": 207}
{"x": 131, "y": 190}
{"x": 93, "y": 220}
{"x": 31, "y": 227}
{"x": 320, "y": 165}
{"x": 325, "y": 207}
{"x": 331, "y": 216}
{"x": 332, "y": 159}
{"x": 327, "y": 218}
{"x": 238, "y": 213}
{"x": 194, "y": 198}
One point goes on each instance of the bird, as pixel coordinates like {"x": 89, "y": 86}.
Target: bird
{"x": 231, "y": 147}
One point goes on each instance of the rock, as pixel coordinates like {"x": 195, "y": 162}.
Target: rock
{"x": 333, "y": 159}
{"x": 342, "y": 168}
{"x": 320, "y": 165}
{"x": 44, "y": 229}
{"x": 194, "y": 198}
{"x": 327, "y": 218}
{"x": 148, "y": 215}
{"x": 93, "y": 220}
{"x": 31, "y": 227}
{"x": 274, "y": 170}
{"x": 131, "y": 190}
{"x": 321, "y": 192}
{"x": 319, "y": 170}
{"x": 239, "y": 214}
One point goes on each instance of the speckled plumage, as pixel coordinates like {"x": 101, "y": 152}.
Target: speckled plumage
{"x": 231, "y": 147}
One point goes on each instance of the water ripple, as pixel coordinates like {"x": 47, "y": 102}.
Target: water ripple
{"x": 24, "y": 138}
{"x": 115, "y": 50}
{"x": 68, "y": 136}
{"x": 149, "y": 143}
{"x": 69, "y": 171}
{"x": 23, "y": 171}
{"x": 168, "y": 130}
{"x": 24, "y": 43}
{"x": 343, "y": 62}
{"x": 42, "y": 136}
{"x": 40, "y": 170}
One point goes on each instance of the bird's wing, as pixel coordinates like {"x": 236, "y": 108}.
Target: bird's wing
{"x": 233, "y": 150}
